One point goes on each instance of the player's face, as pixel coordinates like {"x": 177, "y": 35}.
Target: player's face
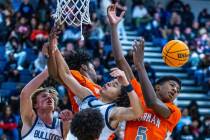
{"x": 92, "y": 72}
{"x": 111, "y": 90}
{"x": 45, "y": 101}
{"x": 168, "y": 91}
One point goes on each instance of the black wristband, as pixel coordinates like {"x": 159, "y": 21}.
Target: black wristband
{"x": 128, "y": 88}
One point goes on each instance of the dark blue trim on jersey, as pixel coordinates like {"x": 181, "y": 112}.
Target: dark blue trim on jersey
{"x": 61, "y": 125}
{"x": 53, "y": 124}
{"x": 87, "y": 97}
{"x": 107, "y": 117}
{"x": 94, "y": 106}
{"x": 31, "y": 128}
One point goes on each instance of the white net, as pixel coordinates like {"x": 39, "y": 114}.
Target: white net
{"x": 72, "y": 12}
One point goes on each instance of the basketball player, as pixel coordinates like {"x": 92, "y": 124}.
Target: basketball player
{"x": 36, "y": 110}
{"x": 82, "y": 70}
{"x": 87, "y": 124}
{"x": 160, "y": 114}
{"x": 110, "y": 93}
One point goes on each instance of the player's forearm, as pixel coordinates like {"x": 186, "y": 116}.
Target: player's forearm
{"x": 52, "y": 67}
{"x": 135, "y": 104}
{"x": 118, "y": 54}
{"x": 63, "y": 68}
{"x": 68, "y": 79}
{"x": 34, "y": 84}
{"x": 147, "y": 88}
{"x": 116, "y": 46}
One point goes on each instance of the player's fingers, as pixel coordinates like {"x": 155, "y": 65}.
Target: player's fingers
{"x": 122, "y": 14}
{"x": 113, "y": 69}
{"x": 118, "y": 6}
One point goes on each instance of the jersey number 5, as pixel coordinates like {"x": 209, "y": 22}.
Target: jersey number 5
{"x": 141, "y": 134}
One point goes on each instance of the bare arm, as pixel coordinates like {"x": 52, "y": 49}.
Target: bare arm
{"x": 26, "y": 109}
{"x": 67, "y": 78}
{"x": 150, "y": 97}
{"x": 50, "y": 49}
{"x": 123, "y": 113}
{"x": 116, "y": 46}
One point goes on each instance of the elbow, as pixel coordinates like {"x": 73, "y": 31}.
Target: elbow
{"x": 23, "y": 95}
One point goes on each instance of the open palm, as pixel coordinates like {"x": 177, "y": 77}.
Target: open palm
{"x": 113, "y": 18}
{"x": 138, "y": 53}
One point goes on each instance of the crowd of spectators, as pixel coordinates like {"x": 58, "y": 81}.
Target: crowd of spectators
{"x": 24, "y": 28}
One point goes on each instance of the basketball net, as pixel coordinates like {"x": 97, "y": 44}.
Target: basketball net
{"x": 72, "y": 12}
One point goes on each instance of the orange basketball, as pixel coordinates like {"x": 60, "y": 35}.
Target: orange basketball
{"x": 175, "y": 53}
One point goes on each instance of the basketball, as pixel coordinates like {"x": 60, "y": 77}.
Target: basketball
{"x": 175, "y": 53}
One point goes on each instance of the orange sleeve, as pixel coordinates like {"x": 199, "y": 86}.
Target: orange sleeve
{"x": 77, "y": 75}
{"x": 137, "y": 88}
{"x": 174, "y": 117}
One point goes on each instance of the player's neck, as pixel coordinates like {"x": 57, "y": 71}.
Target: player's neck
{"x": 87, "y": 75}
{"x": 46, "y": 116}
{"x": 105, "y": 100}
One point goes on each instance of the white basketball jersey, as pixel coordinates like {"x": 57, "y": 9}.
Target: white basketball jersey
{"x": 41, "y": 131}
{"x": 105, "y": 109}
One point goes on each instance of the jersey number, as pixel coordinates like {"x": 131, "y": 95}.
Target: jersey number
{"x": 141, "y": 134}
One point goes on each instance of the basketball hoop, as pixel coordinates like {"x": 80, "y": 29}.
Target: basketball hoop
{"x": 72, "y": 12}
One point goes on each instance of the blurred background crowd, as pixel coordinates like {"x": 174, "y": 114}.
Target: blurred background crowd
{"x": 25, "y": 26}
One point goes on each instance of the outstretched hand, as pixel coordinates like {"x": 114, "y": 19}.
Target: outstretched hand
{"x": 138, "y": 53}
{"x": 53, "y": 37}
{"x": 112, "y": 14}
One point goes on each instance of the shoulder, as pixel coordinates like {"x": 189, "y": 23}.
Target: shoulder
{"x": 175, "y": 112}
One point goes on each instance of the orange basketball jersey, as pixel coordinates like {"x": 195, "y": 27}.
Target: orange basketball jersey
{"x": 151, "y": 126}
{"x": 84, "y": 81}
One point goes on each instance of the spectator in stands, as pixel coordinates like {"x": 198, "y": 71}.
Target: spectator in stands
{"x": 3, "y": 28}
{"x": 185, "y": 134}
{"x": 175, "y": 21}
{"x": 40, "y": 63}
{"x": 187, "y": 16}
{"x": 206, "y": 128}
{"x": 43, "y": 11}
{"x": 193, "y": 110}
{"x": 11, "y": 71}
{"x": 14, "y": 48}
{"x": 195, "y": 128}
{"x": 203, "y": 17}
{"x": 189, "y": 35}
{"x": 8, "y": 124}
{"x": 176, "y": 34}
{"x": 38, "y": 33}
{"x": 185, "y": 120}
{"x": 175, "y": 6}
{"x": 99, "y": 68}
{"x": 140, "y": 15}
{"x": 26, "y": 10}
{"x": 22, "y": 28}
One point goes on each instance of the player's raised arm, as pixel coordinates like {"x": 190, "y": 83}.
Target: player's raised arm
{"x": 117, "y": 50}
{"x": 26, "y": 109}
{"x": 150, "y": 97}
{"x": 126, "y": 113}
{"x": 66, "y": 77}
{"x": 50, "y": 49}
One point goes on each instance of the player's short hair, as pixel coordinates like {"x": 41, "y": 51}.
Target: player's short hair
{"x": 168, "y": 78}
{"x": 77, "y": 58}
{"x": 40, "y": 90}
{"x": 123, "y": 99}
{"x": 87, "y": 124}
